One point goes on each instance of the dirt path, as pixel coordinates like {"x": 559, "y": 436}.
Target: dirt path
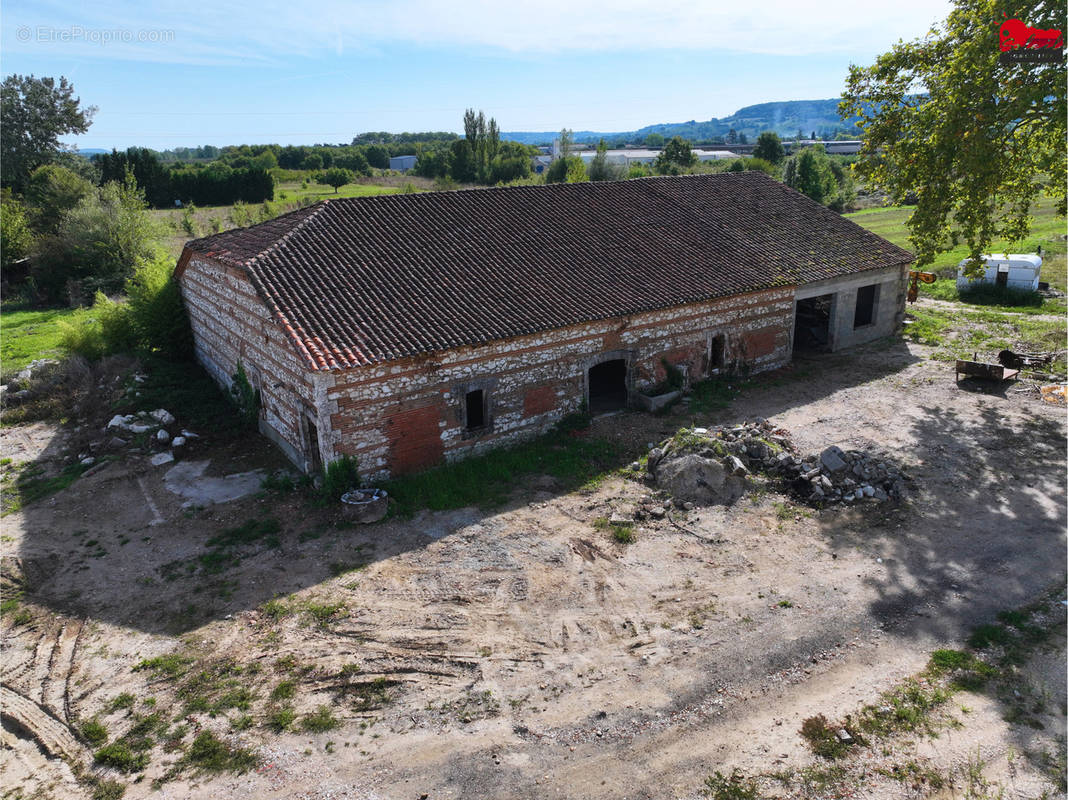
{"x": 523, "y": 652}
{"x": 949, "y": 305}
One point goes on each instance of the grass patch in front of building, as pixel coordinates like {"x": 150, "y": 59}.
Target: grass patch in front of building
{"x": 569, "y": 454}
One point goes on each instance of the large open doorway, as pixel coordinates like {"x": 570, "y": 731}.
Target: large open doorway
{"x": 812, "y": 324}
{"x": 608, "y": 386}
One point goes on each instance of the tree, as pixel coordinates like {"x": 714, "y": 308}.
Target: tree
{"x": 732, "y": 136}
{"x": 336, "y": 177}
{"x": 600, "y": 167}
{"x": 312, "y": 162}
{"x": 675, "y": 157}
{"x": 975, "y": 141}
{"x": 99, "y": 243}
{"x": 15, "y": 236}
{"x": 565, "y": 143}
{"x": 377, "y": 156}
{"x": 51, "y": 193}
{"x": 769, "y": 147}
{"x": 810, "y": 173}
{"x": 34, "y": 113}
{"x": 654, "y": 140}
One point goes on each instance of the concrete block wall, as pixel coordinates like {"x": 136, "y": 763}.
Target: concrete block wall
{"x": 889, "y": 308}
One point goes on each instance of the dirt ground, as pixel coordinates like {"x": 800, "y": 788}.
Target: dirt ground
{"x": 522, "y": 652}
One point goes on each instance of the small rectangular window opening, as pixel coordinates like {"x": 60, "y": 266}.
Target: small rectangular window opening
{"x": 475, "y": 409}
{"x": 865, "y": 312}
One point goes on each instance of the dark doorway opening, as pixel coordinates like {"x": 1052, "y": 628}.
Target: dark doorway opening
{"x": 812, "y": 323}
{"x": 1002, "y": 278}
{"x": 865, "y": 313}
{"x": 715, "y": 357}
{"x": 475, "y": 409}
{"x": 608, "y": 386}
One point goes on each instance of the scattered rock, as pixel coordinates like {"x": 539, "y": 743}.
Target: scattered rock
{"x": 88, "y": 461}
{"x": 832, "y": 460}
{"x": 843, "y": 736}
{"x": 189, "y": 434}
{"x": 178, "y": 441}
{"x": 163, "y": 436}
{"x": 657, "y": 512}
{"x": 162, "y": 417}
{"x": 159, "y": 459}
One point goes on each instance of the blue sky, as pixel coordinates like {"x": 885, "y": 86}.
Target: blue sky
{"x": 166, "y": 74}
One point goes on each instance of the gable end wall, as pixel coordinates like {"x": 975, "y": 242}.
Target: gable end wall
{"x": 230, "y": 324}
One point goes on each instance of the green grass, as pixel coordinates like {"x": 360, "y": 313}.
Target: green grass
{"x": 316, "y": 192}
{"x": 26, "y": 483}
{"x": 571, "y": 456}
{"x": 961, "y": 334}
{"x": 120, "y": 756}
{"x": 208, "y": 753}
{"x": 1047, "y": 230}
{"x": 319, "y": 721}
{"x": 28, "y": 333}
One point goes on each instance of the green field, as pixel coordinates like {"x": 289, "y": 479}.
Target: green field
{"x": 1047, "y": 230}
{"x": 27, "y": 334}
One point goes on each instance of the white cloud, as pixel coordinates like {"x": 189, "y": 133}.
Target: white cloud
{"x": 243, "y": 30}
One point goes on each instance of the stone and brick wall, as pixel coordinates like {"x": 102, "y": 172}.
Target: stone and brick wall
{"x": 231, "y": 324}
{"x": 408, "y": 414}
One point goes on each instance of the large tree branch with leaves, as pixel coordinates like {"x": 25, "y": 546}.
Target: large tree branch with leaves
{"x": 974, "y": 141}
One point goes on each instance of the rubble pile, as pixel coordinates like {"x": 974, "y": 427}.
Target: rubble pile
{"x": 709, "y": 466}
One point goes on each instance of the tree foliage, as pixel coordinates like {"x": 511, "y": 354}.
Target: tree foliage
{"x": 51, "y": 193}
{"x": 974, "y": 141}
{"x": 676, "y": 157}
{"x": 34, "y": 113}
{"x": 98, "y": 244}
{"x": 769, "y": 147}
{"x": 336, "y": 177}
{"x": 15, "y": 235}
{"x": 601, "y": 169}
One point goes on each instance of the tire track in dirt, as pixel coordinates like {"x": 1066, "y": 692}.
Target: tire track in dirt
{"x": 52, "y": 734}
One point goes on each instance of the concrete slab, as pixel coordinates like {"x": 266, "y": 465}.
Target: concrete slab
{"x": 187, "y": 480}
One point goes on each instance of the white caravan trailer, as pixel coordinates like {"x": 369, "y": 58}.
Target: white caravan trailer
{"x": 1014, "y": 270}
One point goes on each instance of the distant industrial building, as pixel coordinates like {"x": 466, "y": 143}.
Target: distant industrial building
{"x": 402, "y": 163}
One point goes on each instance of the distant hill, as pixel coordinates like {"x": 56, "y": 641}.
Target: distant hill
{"x": 786, "y": 118}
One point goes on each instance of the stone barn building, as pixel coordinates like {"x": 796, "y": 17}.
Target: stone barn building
{"x": 411, "y": 329}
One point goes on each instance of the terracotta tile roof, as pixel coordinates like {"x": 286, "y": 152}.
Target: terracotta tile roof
{"x": 364, "y": 280}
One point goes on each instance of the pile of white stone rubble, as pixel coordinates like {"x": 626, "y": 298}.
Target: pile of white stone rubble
{"x": 709, "y": 466}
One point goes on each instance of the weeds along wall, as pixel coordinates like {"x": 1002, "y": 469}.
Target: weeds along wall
{"x": 412, "y": 413}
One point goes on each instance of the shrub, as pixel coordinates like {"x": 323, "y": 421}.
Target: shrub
{"x": 152, "y": 320}
{"x": 93, "y": 731}
{"x": 822, "y": 737}
{"x": 319, "y": 720}
{"x": 97, "y": 245}
{"x": 245, "y": 397}
{"x": 340, "y": 476}
{"x": 210, "y": 754}
{"x": 281, "y": 719}
{"x": 119, "y": 756}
